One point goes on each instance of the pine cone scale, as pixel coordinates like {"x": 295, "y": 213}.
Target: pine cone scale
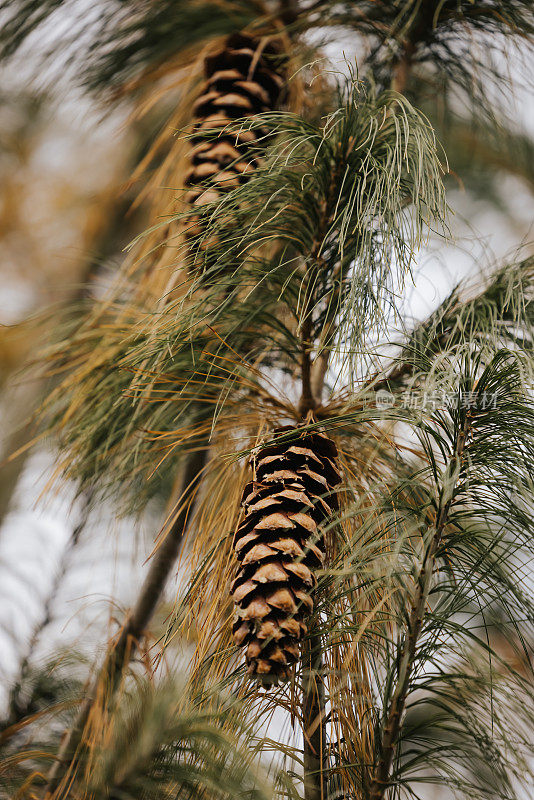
{"x": 242, "y": 81}
{"x": 279, "y": 544}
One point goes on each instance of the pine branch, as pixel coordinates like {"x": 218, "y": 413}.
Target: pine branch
{"x": 18, "y": 710}
{"x": 322, "y": 215}
{"x": 420, "y": 29}
{"x": 465, "y": 43}
{"x": 160, "y": 743}
{"x": 472, "y": 483}
{"x": 314, "y": 719}
{"x": 314, "y": 374}
{"x": 312, "y": 379}
{"x": 123, "y": 649}
{"x": 313, "y": 694}
{"x": 393, "y": 721}
{"x": 500, "y": 314}
{"x": 289, "y": 11}
{"x": 401, "y": 71}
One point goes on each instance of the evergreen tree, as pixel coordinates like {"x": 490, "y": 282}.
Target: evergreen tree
{"x": 355, "y": 506}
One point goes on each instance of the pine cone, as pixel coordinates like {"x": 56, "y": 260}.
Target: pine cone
{"x": 280, "y": 545}
{"x": 241, "y": 81}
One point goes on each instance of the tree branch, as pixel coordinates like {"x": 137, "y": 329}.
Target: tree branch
{"x": 121, "y": 652}
{"x": 307, "y": 400}
{"x": 402, "y": 69}
{"x": 289, "y": 11}
{"x": 392, "y": 727}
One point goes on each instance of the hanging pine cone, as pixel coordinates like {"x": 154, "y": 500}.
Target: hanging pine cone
{"x": 280, "y": 546}
{"x": 242, "y": 80}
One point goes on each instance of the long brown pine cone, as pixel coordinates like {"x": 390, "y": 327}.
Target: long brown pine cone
{"x": 243, "y": 79}
{"x": 280, "y": 546}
